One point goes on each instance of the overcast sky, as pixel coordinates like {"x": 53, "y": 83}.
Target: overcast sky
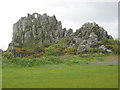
{"x": 72, "y": 13}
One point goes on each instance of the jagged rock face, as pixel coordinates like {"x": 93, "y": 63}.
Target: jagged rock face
{"x": 90, "y": 42}
{"x": 89, "y": 35}
{"x": 87, "y": 28}
{"x": 37, "y": 29}
{"x": 43, "y": 29}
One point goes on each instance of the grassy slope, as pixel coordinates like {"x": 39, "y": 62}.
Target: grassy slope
{"x": 74, "y": 76}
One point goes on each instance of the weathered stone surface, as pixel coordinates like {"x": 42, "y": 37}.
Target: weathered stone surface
{"x": 86, "y": 44}
{"x": 108, "y": 51}
{"x": 68, "y": 32}
{"x": 105, "y": 49}
{"x": 102, "y": 47}
{"x": 43, "y": 29}
{"x": 90, "y": 34}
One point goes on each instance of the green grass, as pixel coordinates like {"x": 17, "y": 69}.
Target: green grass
{"x": 67, "y": 76}
{"x": 74, "y": 71}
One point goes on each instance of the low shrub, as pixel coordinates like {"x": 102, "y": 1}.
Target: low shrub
{"x": 23, "y": 61}
{"x": 38, "y": 55}
{"x": 100, "y": 43}
{"x": 53, "y": 59}
{"x": 108, "y": 46}
{"x": 7, "y": 55}
{"x": 39, "y": 49}
{"x": 29, "y": 62}
{"x": 115, "y": 49}
{"x": 22, "y": 52}
{"x": 50, "y": 51}
{"x": 59, "y": 48}
{"x": 77, "y": 61}
{"x": 95, "y": 50}
{"x": 92, "y": 57}
{"x": 84, "y": 55}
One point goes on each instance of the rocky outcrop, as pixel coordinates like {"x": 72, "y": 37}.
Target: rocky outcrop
{"x": 36, "y": 29}
{"x": 89, "y": 35}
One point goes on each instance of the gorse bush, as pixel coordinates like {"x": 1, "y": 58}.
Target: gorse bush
{"x": 70, "y": 50}
{"x": 39, "y": 49}
{"x": 60, "y": 49}
{"x": 109, "y": 46}
{"x": 22, "y": 52}
{"x": 100, "y": 43}
{"x": 36, "y": 52}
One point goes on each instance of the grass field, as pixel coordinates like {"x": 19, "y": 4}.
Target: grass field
{"x": 65, "y": 76}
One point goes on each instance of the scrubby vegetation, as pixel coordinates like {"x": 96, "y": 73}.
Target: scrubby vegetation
{"x": 29, "y": 62}
{"x": 7, "y": 55}
{"x": 52, "y": 53}
{"x": 111, "y": 44}
{"x": 67, "y": 59}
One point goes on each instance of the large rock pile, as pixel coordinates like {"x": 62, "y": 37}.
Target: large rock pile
{"x": 39, "y": 29}
{"x": 88, "y": 36}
